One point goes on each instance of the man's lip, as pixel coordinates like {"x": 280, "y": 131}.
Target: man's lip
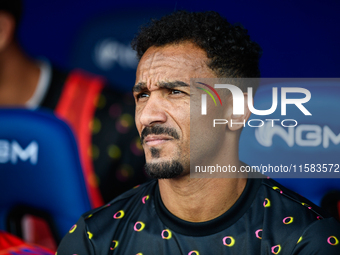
{"x": 152, "y": 140}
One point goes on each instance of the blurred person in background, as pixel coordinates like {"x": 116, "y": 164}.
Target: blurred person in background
{"x": 10, "y": 245}
{"x": 102, "y": 119}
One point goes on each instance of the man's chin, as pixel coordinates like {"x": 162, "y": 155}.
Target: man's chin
{"x": 164, "y": 169}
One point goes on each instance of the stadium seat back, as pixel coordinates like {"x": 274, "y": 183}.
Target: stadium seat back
{"x": 40, "y": 168}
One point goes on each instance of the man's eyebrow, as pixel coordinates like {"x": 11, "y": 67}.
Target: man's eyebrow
{"x": 173, "y": 84}
{"x": 139, "y": 87}
{"x": 169, "y": 85}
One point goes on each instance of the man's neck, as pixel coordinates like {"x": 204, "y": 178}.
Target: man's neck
{"x": 199, "y": 200}
{"x": 19, "y": 76}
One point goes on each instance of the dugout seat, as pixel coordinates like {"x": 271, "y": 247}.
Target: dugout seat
{"x": 315, "y": 140}
{"x": 40, "y": 172}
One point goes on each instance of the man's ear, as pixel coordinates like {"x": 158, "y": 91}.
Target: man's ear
{"x": 236, "y": 122}
{"x": 7, "y": 27}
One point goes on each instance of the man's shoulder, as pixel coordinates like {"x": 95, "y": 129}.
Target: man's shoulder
{"x": 96, "y": 229}
{"x": 283, "y": 197}
{"x": 132, "y": 198}
{"x": 289, "y": 222}
{"x": 321, "y": 237}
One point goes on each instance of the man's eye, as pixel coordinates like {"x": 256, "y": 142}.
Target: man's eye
{"x": 176, "y": 92}
{"x": 142, "y": 95}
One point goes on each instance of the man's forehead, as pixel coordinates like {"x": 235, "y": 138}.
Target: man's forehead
{"x": 170, "y": 65}
{"x": 161, "y": 84}
{"x": 187, "y": 54}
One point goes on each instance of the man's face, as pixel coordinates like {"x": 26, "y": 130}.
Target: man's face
{"x": 162, "y": 95}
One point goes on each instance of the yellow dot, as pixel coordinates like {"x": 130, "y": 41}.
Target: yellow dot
{"x": 95, "y": 125}
{"x": 126, "y": 120}
{"x": 73, "y": 228}
{"x": 100, "y": 102}
{"x": 89, "y": 216}
{"x": 300, "y": 239}
{"x": 114, "y": 152}
{"x": 276, "y": 188}
{"x": 138, "y": 143}
{"x": 304, "y": 204}
{"x": 114, "y": 246}
{"x": 124, "y": 123}
{"x": 90, "y": 234}
{"x": 94, "y": 154}
{"x": 266, "y": 202}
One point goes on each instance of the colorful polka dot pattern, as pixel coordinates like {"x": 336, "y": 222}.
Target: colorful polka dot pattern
{"x": 332, "y": 240}
{"x": 258, "y": 233}
{"x": 139, "y": 226}
{"x": 227, "y": 241}
{"x": 277, "y": 189}
{"x": 90, "y": 235}
{"x": 288, "y": 220}
{"x": 144, "y": 199}
{"x": 166, "y": 234}
{"x": 276, "y": 249}
{"x": 73, "y": 228}
{"x": 266, "y": 202}
{"x": 118, "y": 215}
{"x": 300, "y": 239}
{"x": 114, "y": 245}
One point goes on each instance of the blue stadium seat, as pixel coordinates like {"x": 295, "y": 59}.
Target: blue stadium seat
{"x": 315, "y": 139}
{"x": 40, "y": 169}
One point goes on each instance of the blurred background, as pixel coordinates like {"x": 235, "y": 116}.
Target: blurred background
{"x": 298, "y": 38}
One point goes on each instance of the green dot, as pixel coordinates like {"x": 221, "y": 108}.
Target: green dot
{"x": 114, "y": 152}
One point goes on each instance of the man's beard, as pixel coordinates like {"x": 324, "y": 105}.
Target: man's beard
{"x": 164, "y": 170}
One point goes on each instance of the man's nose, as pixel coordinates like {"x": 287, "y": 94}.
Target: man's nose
{"x": 153, "y": 111}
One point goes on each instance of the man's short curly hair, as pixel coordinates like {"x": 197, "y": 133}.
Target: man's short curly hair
{"x": 229, "y": 49}
{"x": 13, "y": 7}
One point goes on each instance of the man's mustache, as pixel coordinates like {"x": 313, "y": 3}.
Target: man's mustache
{"x": 158, "y": 130}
